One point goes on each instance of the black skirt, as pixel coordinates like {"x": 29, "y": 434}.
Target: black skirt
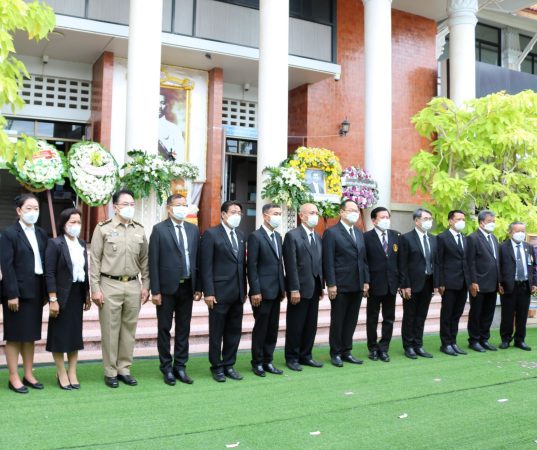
{"x": 25, "y": 324}
{"x": 65, "y": 331}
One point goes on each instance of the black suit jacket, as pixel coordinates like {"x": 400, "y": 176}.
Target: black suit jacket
{"x": 412, "y": 262}
{"x": 484, "y": 268}
{"x": 223, "y": 274}
{"x": 165, "y": 257}
{"x": 17, "y": 261}
{"x": 265, "y": 267}
{"x": 453, "y": 271}
{"x": 508, "y": 265}
{"x": 384, "y": 272}
{"x": 59, "y": 268}
{"x": 344, "y": 261}
{"x": 299, "y": 262}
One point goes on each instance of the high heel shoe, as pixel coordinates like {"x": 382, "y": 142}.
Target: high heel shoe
{"x": 75, "y": 385}
{"x": 65, "y": 388}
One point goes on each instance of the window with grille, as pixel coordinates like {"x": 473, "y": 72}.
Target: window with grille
{"x": 239, "y": 113}
{"x": 56, "y": 92}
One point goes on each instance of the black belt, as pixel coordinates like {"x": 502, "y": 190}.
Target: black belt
{"x": 521, "y": 282}
{"x": 184, "y": 280}
{"x": 123, "y": 278}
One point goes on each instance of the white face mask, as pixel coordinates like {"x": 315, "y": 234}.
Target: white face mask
{"x": 275, "y": 221}
{"x": 489, "y": 227}
{"x": 519, "y": 237}
{"x": 459, "y": 226}
{"x": 384, "y": 224}
{"x": 127, "y": 212}
{"x": 73, "y": 230}
{"x": 427, "y": 225}
{"x": 352, "y": 217}
{"x": 312, "y": 221}
{"x": 234, "y": 220}
{"x": 180, "y": 212}
{"x": 30, "y": 217}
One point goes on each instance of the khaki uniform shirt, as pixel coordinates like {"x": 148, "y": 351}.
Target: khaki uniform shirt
{"x": 118, "y": 250}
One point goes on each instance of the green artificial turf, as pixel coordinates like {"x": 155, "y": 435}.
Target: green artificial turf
{"x": 446, "y": 402}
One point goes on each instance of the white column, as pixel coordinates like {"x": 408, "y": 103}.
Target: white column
{"x": 143, "y": 88}
{"x": 461, "y": 22}
{"x": 511, "y": 48}
{"x": 378, "y": 94}
{"x": 273, "y": 92}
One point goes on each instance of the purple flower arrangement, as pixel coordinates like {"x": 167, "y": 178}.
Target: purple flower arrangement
{"x": 359, "y": 186}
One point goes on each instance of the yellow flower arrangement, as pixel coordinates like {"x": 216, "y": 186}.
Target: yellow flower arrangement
{"x": 319, "y": 158}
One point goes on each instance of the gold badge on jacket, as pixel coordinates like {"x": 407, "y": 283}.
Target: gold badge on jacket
{"x": 395, "y": 248}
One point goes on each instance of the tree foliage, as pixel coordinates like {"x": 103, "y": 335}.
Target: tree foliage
{"x": 482, "y": 155}
{"x": 37, "y": 19}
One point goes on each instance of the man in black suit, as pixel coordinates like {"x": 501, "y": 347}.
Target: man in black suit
{"x": 316, "y": 186}
{"x": 267, "y": 288}
{"x": 518, "y": 282}
{"x": 302, "y": 255}
{"x": 419, "y": 270}
{"x": 483, "y": 262}
{"x": 223, "y": 278}
{"x": 174, "y": 281}
{"x": 453, "y": 280}
{"x": 347, "y": 280}
{"x": 382, "y": 245}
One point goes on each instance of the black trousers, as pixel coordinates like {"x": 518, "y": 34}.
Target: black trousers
{"x": 374, "y": 305}
{"x": 480, "y": 317}
{"x": 225, "y": 327}
{"x": 301, "y": 327}
{"x": 415, "y": 311}
{"x": 453, "y": 303}
{"x": 344, "y": 311}
{"x": 265, "y": 332}
{"x": 180, "y": 305}
{"x": 515, "y": 310}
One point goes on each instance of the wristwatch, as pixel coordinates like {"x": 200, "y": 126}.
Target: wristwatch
{"x": 53, "y": 299}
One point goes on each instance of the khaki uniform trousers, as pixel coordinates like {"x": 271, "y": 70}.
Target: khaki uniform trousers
{"x": 118, "y": 318}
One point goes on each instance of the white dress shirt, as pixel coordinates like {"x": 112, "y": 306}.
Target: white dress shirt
{"x": 76, "y": 252}
{"x": 185, "y": 242}
{"x": 522, "y": 255}
{"x": 455, "y": 233}
{"x": 29, "y": 231}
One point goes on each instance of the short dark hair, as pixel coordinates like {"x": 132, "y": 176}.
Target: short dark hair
{"x": 484, "y": 214}
{"x": 377, "y": 210}
{"x": 343, "y": 204}
{"x": 512, "y": 224}
{"x": 227, "y": 204}
{"x": 419, "y": 212}
{"x": 268, "y": 207}
{"x": 451, "y": 214}
{"x": 64, "y": 217}
{"x": 122, "y": 191}
{"x": 21, "y": 199}
{"x": 173, "y": 197}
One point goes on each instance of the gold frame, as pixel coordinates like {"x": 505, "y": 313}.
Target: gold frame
{"x": 531, "y": 238}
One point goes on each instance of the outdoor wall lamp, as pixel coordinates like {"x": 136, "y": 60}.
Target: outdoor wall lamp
{"x": 344, "y": 129}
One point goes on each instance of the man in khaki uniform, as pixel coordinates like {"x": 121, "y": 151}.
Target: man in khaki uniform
{"x": 119, "y": 253}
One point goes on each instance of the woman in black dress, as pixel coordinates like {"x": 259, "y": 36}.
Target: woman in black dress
{"x": 66, "y": 276}
{"x": 22, "y": 251}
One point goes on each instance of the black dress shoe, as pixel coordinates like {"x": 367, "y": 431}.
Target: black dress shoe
{"x": 271, "y": 369}
{"x": 181, "y": 375}
{"x": 293, "y": 365}
{"x": 410, "y": 353}
{"x": 448, "y": 350}
{"x": 420, "y": 351}
{"x": 75, "y": 386}
{"x": 504, "y": 345}
{"x": 351, "y": 359}
{"x": 311, "y": 363}
{"x": 336, "y": 361}
{"x": 458, "y": 350}
{"x": 67, "y": 387}
{"x": 20, "y": 390}
{"x": 384, "y": 357}
{"x": 230, "y": 372}
{"x": 258, "y": 370}
{"x": 219, "y": 376}
{"x": 169, "y": 379}
{"x": 476, "y": 346}
{"x": 37, "y": 385}
{"x": 127, "y": 379}
{"x": 523, "y": 346}
{"x": 111, "y": 382}
{"x": 488, "y": 346}
{"x": 373, "y": 355}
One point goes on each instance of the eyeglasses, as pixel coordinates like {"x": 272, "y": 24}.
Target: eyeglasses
{"x": 126, "y": 204}
{"x": 234, "y": 213}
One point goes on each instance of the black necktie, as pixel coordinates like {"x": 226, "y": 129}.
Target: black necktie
{"x": 459, "y": 241}
{"x": 184, "y": 272}
{"x": 519, "y": 265}
{"x": 234, "y": 244}
{"x": 428, "y": 264}
{"x": 274, "y": 243}
{"x": 491, "y": 245}
{"x": 351, "y": 232}
{"x": 314, "y": 256}
{"x": 384, "y": 243}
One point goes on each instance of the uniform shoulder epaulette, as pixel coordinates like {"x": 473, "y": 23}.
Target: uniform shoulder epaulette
{"x": 104, "y": 222}
{"x": 137, "y": 223}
